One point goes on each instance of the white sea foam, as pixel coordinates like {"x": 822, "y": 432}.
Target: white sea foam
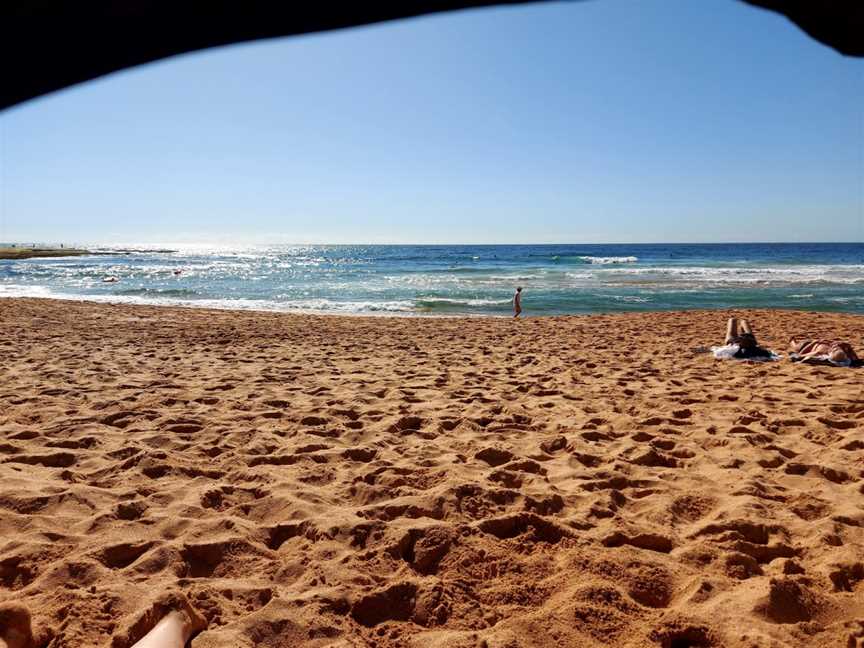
{"x": 360, "y": 306}
{"x": 298, "y": 306}
{"x": 514, "y": 277}
{"x": 839, "y": 274}
{"x": 634, "y": 299}
{"x": 465, "y": 301}
{"x": 608, "y": 260}
{"x": 14, "y": 290}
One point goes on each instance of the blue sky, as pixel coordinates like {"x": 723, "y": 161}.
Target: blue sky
{"x": 603, "y": 121}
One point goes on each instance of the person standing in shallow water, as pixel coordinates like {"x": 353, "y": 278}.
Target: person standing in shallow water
{"x": 517, "y": 302}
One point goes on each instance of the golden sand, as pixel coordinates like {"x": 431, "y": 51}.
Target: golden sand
{"x": 348, "y": 481}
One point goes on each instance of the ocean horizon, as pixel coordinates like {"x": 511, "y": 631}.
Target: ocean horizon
{"x": 474, "y": 280}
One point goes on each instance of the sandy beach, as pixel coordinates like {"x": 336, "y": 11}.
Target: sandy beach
{"x": 350, "y": 481}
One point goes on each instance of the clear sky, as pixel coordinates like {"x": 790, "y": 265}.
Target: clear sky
{"x": 603, "y": 121}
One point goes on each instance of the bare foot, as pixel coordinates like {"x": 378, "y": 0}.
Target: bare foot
{"x": 15, "y": 629}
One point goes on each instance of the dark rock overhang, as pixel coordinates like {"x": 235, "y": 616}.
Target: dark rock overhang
{"x": 50, "y": 44}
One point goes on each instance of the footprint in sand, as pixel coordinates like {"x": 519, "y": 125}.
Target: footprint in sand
{"x": 15, "y": 627}
{"x": 16, "y": 572}
{"x": 122, "y": 555}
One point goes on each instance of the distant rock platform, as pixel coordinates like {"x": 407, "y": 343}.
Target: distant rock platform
{"x": 33, "y": 252}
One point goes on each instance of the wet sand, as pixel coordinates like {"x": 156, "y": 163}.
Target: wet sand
{"x": 349, "y": 481}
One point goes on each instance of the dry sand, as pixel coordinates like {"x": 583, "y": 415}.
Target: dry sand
{"x": 334, "y": 481}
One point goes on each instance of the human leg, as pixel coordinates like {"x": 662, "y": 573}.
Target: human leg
{"x": 731, "y": 330}
{"x": 177, "y": 622}
{"x": 172, "y": 631}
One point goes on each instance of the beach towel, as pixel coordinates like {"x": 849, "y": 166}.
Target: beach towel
{"x": 728, "y": 351}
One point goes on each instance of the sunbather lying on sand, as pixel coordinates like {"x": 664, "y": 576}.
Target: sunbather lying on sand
{"x": 740, "y": 343}
{"x": 806, "y": 348}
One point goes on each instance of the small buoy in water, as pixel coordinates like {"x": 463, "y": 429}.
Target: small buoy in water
{"x": 110, "y": 280}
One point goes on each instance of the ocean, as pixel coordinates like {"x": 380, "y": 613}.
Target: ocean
{"x": 457, "y": 279}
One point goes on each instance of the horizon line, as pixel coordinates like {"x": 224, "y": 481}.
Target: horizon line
{"x": 414, "y": 244}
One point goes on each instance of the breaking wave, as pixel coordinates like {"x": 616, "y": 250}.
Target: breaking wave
{"x": 608, "y": 260}
{"x": 457, "y": 280}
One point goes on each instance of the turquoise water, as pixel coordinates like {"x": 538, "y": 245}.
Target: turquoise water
{"x": 449, "y": 280}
